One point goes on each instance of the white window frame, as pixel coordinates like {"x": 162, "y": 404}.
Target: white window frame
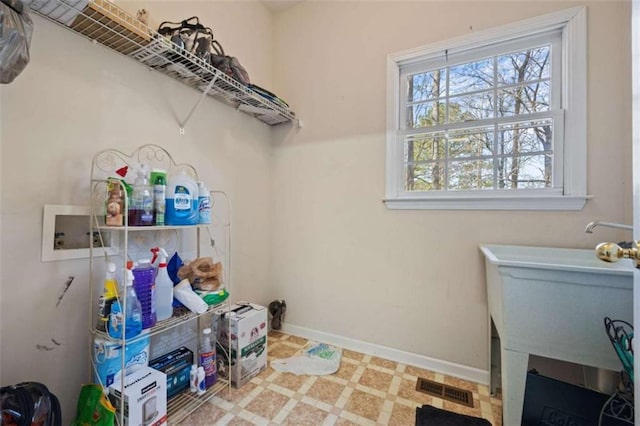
{"x": 572, "y": 195}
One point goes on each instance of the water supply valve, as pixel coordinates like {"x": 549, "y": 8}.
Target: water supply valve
{"x": 612, "y": 252}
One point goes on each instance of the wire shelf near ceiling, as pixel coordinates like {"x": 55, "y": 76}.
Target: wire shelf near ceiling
{"x": 111, "y": 26}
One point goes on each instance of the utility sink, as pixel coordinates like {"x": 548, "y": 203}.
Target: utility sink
{"x": 558, "y": 259}
{"x": 551, "y": 302}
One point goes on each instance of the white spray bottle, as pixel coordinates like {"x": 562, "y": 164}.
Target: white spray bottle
{"x": 164, "y": 287}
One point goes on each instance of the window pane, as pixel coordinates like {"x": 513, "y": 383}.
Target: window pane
{"x": 424, "y": 147}
{"x": 526, "y": 172}
{"x": 425, "y": 86}
{"x": 425, "y": 114}
{"x": 472, "y": 107}
{"x": 526, "y": 137}
{"x": 529, "y": 65}
{"x": 471, "y": 175}
{"x": 524, "y": 99}
{"x": 471, "y": 77}
{"x": 474, "y": 142}
{"x": 424, "y": 176}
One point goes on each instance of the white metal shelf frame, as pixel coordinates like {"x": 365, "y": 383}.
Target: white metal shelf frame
{"x": 107, "y": 24}
{"x": 103, "y": 168}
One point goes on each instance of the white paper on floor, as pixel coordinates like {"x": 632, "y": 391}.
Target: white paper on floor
{"x": 316, "y": 359}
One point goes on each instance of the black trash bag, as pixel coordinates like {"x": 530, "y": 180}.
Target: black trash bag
{"x": 29, "y": 403}
{"x": 16, "y": 28}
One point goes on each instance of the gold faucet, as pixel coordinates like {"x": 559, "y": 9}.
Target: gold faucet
{"x": 612, "y": 252}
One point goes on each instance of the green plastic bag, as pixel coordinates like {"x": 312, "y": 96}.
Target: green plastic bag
{"x": 94, "y": 408}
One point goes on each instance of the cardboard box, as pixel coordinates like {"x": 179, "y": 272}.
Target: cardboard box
{"x": 177, "y": 366}
{"x": 145, "y": 397}
{"x": 246, "y": 329}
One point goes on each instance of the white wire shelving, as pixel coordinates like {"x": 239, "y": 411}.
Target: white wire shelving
{"x": 130, "y": 239}
{"x": 107, "y": 24}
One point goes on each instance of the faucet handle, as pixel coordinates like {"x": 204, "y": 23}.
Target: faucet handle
{"x": 612, "y": 252}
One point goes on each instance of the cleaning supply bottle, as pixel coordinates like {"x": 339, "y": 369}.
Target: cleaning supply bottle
{"x": 208, "y": 357}
{"x": 202, "y": 388}
{"x": 182, "y": 200}
{"x": 204, "y": 204}
{"x": 164, "y": 288}
{"x": 193, "y": 378}
{"x": 144, "y": 284}
{"x": 132, "y": 312}
{"x": 141, "y": 207}
{"x": 109, "y": 295}
{"x": 159, "y": 182}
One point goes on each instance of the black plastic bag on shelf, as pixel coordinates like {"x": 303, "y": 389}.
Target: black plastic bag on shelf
{"x": 29, "y": 403}
{"x": 198, "y": 40}
{"x": 16, "y": 28}
{"x": 228, "y": 64}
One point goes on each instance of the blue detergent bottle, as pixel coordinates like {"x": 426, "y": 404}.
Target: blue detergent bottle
{"x": 182, "y": 200}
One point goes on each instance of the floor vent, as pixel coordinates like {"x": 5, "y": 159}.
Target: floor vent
{"x": 450, "y": 393}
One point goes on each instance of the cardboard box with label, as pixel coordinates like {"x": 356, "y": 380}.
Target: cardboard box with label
{"x": 145, "y": 397}
{"x": 246, "y": 329}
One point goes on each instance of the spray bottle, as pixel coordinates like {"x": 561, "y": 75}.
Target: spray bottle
{"x": 109, "y": 295}
{"x": 164, "y": 286}
{"x": 132, "y": 311}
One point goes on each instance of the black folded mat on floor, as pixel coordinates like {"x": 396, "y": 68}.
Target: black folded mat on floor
{"x": 432, "y": 416}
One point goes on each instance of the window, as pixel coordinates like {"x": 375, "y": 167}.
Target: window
{"x": 495, "y": 120}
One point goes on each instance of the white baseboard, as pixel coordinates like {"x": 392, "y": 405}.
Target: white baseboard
{"x": 436, "y": 365}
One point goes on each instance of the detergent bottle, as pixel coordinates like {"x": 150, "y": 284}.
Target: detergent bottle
{"x": 164, "y": 288}
{"x": 182, "y": 200}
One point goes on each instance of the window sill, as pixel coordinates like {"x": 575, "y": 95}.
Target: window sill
{"x": 544, "y": 202}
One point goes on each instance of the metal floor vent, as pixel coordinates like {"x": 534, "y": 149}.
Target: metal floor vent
{"x": 450, "y": 393}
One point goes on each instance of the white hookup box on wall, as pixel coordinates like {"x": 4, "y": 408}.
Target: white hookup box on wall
{"x": 145, "y": 397}
{"x": 247, "y": 331}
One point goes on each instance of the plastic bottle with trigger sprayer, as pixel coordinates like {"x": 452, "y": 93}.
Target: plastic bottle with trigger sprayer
{"x": 164, "y": 288}
{"x": 109, "y": 295}
{"x": 132, "y": 312}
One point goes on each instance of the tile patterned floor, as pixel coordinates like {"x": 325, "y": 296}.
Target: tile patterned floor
{"x": 365, "y": 391}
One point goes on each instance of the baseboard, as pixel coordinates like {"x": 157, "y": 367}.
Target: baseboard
{"x": 436, "y": 365}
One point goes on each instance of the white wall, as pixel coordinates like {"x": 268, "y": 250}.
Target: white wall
{"x": 74, "y": 99}
{"x": 412, "y": 280}
{"x": 309, "y": 225}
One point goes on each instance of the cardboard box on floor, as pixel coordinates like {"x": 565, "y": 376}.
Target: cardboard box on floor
{"x": 247, "y": 331}
{"x": 145, "y": 397}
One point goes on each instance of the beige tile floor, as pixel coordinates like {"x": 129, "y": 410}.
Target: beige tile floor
{"x": 365, "y": 391}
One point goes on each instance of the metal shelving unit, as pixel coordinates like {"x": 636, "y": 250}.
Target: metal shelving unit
{"x": 129, "y": 240}
{"x": 105, "y": 23}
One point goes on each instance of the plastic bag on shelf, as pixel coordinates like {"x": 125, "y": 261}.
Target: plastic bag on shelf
{"x": 316, "y": 359}
{"x": 16, "y": 28}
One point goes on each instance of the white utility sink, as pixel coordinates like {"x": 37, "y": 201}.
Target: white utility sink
{"x": 564, "y": 259}
{"x": 551, "y": 302}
